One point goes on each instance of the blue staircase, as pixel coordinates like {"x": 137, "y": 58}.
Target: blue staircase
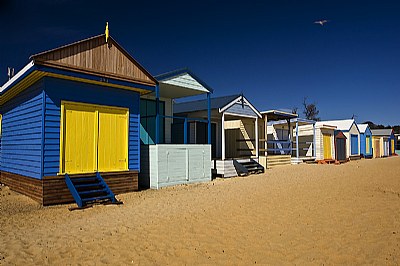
{"x": 88, "y": 190}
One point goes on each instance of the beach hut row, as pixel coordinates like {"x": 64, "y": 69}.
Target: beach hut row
{"x": 86, "y": 121}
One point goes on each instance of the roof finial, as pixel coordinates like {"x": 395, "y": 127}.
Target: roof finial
{"x": 107, "y": 32}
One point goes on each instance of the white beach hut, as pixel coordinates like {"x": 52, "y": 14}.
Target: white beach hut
{"x": 352, "y": 133}
{"x": 324, "y": 140}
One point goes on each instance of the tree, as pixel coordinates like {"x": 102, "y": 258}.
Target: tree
{"x": 294, "y": 110}
{"x": 310, "y": 110}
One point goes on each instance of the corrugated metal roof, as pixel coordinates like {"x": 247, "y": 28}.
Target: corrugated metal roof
{"x": 201, "y": 105}
{"x": 340, "y": 124}
{"x": 362, "y": 127}
{"x": 381, "y": 132}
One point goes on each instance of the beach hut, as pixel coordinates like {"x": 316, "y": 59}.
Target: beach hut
{"x": 174, "y": 149}
{"x": 350, "y": 129}
{"x": 340, "y": 146}
{"x": 365, "y": 140}
{"x": 70, "y": 121}
{"x": 290, "y": 139}
{"x": 236, "y": 131}
{"x": 383, "y": 142}
{"x": 277, "y": 145}
{"x": 324, "y": 141}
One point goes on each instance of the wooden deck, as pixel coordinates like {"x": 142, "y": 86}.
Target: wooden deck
{"x": 53, "y": 190}
{"x": 327, "y": 161}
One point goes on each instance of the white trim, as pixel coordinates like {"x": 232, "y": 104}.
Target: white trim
{"x": 223, "y": 136}
{"x": 221, "y": 110}
{"x": 17, "y": 76}
{"x": 277, "y": 111}
{"x": 323, "y": 126}
{"x": 240, "y": 115}
{"x": 256, "y": 137}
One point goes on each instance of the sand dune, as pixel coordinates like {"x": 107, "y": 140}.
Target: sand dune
{"x": 303, "y": 214}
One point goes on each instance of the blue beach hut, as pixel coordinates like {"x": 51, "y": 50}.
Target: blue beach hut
{"x": 365, "y": 140}
{"x": 73, "y": 113}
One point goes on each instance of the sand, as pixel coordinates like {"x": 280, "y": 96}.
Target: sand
{"x": 299, "y": 214}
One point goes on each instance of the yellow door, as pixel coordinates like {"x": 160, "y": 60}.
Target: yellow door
{"x": 367, "y": 146}
{"x": 80, "y": 133}
{"x": 392, "y": 143}
{"x": 327, "y": 146}
{"x": 113, "y": 139}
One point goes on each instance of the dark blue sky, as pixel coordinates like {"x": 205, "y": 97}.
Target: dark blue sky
{"x": 269, "y": 50}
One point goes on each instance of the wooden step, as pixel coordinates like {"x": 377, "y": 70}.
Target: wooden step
{"x": 89, "y": 189}
{"x": 97, "y": 191}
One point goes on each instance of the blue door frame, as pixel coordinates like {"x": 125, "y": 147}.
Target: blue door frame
{"x": 354, "y": 144}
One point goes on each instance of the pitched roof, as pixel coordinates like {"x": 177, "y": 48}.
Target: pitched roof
{"x": 324, "y": 124}
{"x": 92, "y": 60}
{"x": 382, "y": 132}
{"x": 183, "y": 77}
{"x": 340, "y": 124}
{"x": 276, "y": 115}
{"x": 201, "y": 105}
{"x": 362, "y": 127}
{"x": 96, "y": 56}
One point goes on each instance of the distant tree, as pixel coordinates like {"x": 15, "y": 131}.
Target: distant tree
{"x": 372, "y": 125}
{"x": 310, "y": 110}
{"x": 294, "y": 110}
{"x": 396, "y": 129}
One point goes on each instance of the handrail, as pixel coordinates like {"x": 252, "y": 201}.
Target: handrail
{"x": 279, "y": 141}
{"x": 178, "y": 117}
{"x": 279, "y": 149}
{"x": 73, "y": 191}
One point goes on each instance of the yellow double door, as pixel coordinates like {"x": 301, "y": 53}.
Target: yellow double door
{"x": 93, "y": 138}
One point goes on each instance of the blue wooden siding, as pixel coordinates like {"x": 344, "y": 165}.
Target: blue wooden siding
{"x": 57, "y": 90}
{"x": 354, "y": 144}
{"x": 240, "y": 109}
{"x": 363, "y": 145}
{"x": 21, "y": 140}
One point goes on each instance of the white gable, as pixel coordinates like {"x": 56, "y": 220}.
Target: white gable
{"x": 362, "y": 127}
{"x": 185, "y": 81}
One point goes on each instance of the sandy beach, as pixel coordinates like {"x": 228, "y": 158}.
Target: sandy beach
{"x": 299, "y": 214}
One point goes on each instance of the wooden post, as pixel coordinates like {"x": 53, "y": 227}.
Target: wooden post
{"x": 314, "y": 141}
{"x": 209, "y": 117}
{"x": 290, "y": 137}
{"x": 297, "y": 139}
{"x": 157, "y": 114}
{"x": 223, "y": 136}
{"x": 266, "y": 135}
{"x": 185, "y": 131}
{"x": 256, "y": 130}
